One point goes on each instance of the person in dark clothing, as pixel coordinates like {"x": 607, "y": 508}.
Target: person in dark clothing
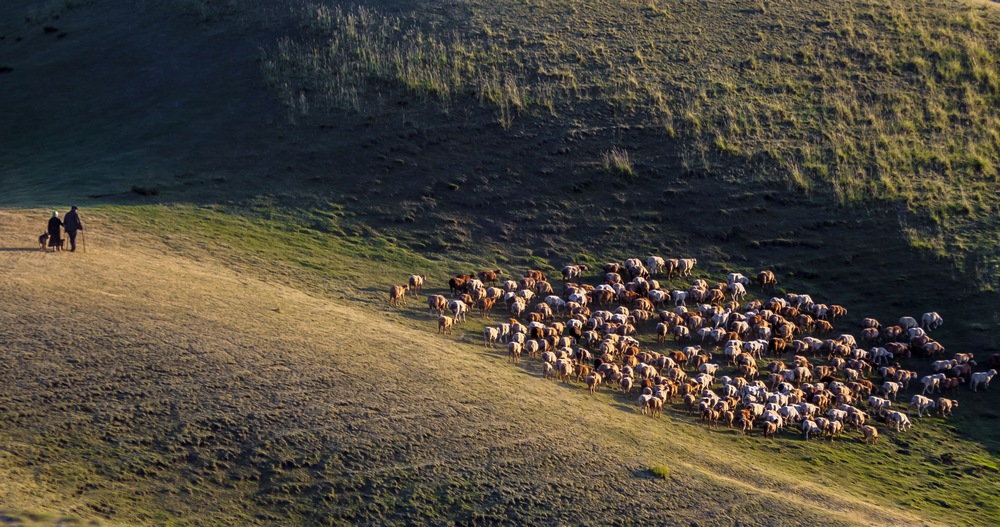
{"x": 55, "y": 231}
{"x": 72, "y": 224}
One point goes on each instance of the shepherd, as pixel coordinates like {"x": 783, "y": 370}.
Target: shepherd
{"x": 55, "y": 231}
{"x": 72, "y": 224}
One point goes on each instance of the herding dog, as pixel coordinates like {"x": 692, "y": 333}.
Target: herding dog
{"x": 43, "y": 242}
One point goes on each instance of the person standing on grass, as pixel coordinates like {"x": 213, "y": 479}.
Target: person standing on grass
{"x": 55, "y": 231}
{"x": 72, "y": 224}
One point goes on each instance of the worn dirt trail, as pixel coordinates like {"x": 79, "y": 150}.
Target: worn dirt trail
{"x": 139, "y": 385}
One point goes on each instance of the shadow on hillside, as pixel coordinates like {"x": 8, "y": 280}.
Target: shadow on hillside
{"x": 18, "y": 249}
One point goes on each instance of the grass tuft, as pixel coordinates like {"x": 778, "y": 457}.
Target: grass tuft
{"x": 660, "y": 471}
{"x": 618, "y": 163}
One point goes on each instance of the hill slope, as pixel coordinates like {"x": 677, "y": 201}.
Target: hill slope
{"x": 143, "y": 386}
{"x": 234, "y": 364}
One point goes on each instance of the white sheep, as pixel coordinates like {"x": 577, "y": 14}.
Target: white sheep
{"x": 931, "y": 320}
{"x": 921, "y": 403}
{"x": 490, "y": 336}
{"x": 685, "y": 265}
{"x": 932, "y": 383}
{"x": 738, "y": 291}
{"x": 655, "y": 264}
{"x": 981, "y": 377}
{"x": 901, "y": 420}
{"x": 890, "y": 389}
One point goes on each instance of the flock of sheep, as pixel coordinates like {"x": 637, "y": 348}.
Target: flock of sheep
{"x": 588, "y": 333}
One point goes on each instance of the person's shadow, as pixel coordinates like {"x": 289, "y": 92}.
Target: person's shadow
{"x": 17, "y": 249}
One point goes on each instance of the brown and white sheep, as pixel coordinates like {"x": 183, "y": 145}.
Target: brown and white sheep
{"x": 416, "y": 283}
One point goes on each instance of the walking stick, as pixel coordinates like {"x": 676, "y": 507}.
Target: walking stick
{"x": 83, "y": 238}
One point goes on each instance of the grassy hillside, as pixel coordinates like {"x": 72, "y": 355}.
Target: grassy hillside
{"x": 256, "y": 175}
{"x": 168, "y": 384}
{"x": 860, "y": 102}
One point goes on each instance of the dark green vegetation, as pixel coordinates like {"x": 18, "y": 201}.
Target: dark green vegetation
{"x": 858, "y": 101}
{"x": 849, "y": 146}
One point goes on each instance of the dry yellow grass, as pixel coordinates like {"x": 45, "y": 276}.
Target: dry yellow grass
{"x": 141, "y": 385}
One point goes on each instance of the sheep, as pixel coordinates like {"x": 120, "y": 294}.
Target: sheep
{"x": 564, "y": 369}
{"x": 484, "y": 305}
{"x": 655, "y": 264}
{"x": 573, "y": 272}
{"x": 837, "y": 312}
{"x": 921, "y": 403}
{"x": 626, "y": 385}
{"x": 517, "y": 308}
{"x": 644, "y": 404}
{"x": 811, "y": 428}
{"x": 543, "y": 288}
{"x": 769, "y": 429}
{"x": 490, "y": 336}
{"x": 489, "y": 276}
{"x": 981, "y": 377}
{"x": 878, "y": 403}
{"x": 661, "y": 332}
{"x": 436, "y": 303}
{"x": 686, "y": 265}
{"x": 459, "y": 309}
{"x": 945, "y": 406}
{"x": 890, "y": 389}
{"x": 416, "y": 283}
{"x": 951, "y": 384}
{"x": 943, "y": 365}
{"x": 532, "y": 347}
{"x": 459, "y": 284}
{"x": 397, "y": 295}
{"x": 856, "y": 418}
{"x": 766, "y": 279}
{"x": 871, "y": 434}
{"x": 901, "y": 420}
{"x": 907, "y": 322}
{"x": 931, "y": 320}
{"x": 737, "y": 291}
{"x": 932, "y": 383}
{"x": 535, "y": 275}
{"x": 963, "y": 358}
{"x": 834, "y": 428}
{"x": 593, "y": 381}
{"x": 789, "y": 413}
{"x": 836, "y": 414}
{"x": 514, "y": 350}
{"x": 881, "y": 355}
{"x": 445, "y": 325}
{"x": 932, "y": 348}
